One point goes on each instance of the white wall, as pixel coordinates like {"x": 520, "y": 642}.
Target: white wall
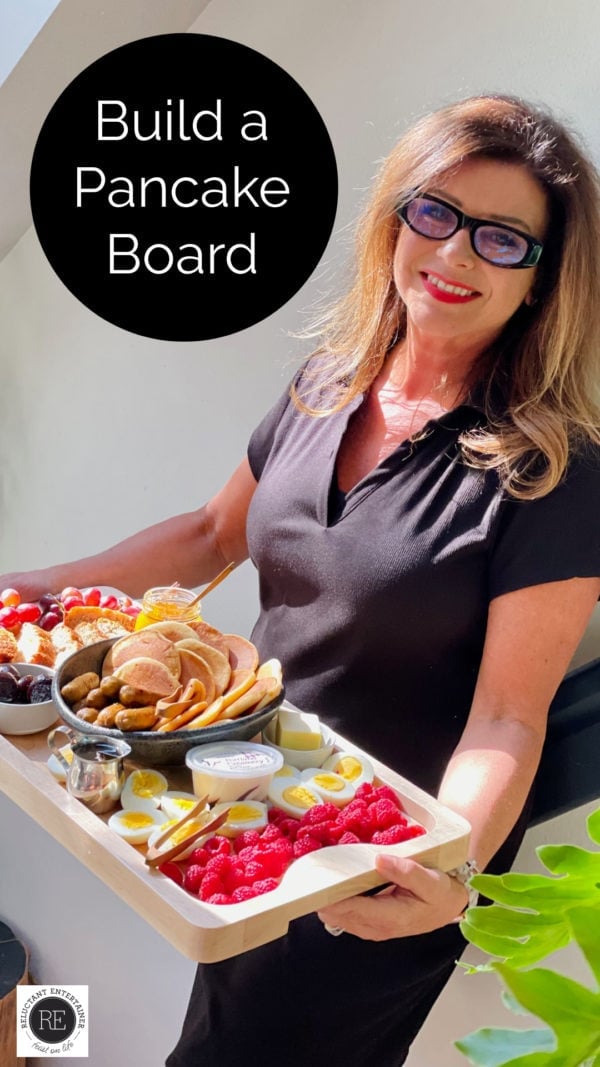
{"x": 102, "y": 432}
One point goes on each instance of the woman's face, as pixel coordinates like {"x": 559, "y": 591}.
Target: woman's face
{"x": 484, "y": 189}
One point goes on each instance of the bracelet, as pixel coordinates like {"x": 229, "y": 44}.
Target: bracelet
{"x": 463, "y": 874}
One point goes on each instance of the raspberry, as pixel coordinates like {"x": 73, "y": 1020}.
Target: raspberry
{"x": 244, "y": 892}
{"x": 276, "y": 815}
{"x": 193, "y": 878}
{"x": 235, "y": 877}
{"x": 211, "y": 883}
{"x": 171, "y": 870}
{"x": 219, "y": 898}
{"x": 348, "y": 838}
{"x": 289, "y": 828}
{"x": 336, "y": 831}
{"x": 219, "y": 865}
{"x": 319, "y": 813}
{"x": 304, "y": 845}
{"x": 271, "y": 833}
{"x": 276, "y": 859}
{"x": 383, "y": 814}
{"x": 365, "y": 791}
{"x": 321, "y": 831}
{"x": 391, "y": 836}
{"x": 200, "y": 856}
{"x": 266, "y": 885}
{"x": 357, "y": 821}
{"x": 385, "y": 792}
{"x": 254, "y": 870}
{"x": 248, "y": 838}
{"x": 218, "y": 844}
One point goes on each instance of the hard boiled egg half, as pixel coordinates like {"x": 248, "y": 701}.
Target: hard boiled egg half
{"x": 329, "y": 786}
{"x": 143, "y": 789}
{"x": 177, "y": 804}
{"x": 137, "y": 826}
{"x": 179, "y": 836}
{"x": 293, "y": 796}
{"x": 355, "y": 769}
{"x": 243, "y": 815}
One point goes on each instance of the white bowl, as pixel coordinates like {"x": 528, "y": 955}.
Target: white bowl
{"x": 28, "y": 718}
{"x": 300, "y": 758}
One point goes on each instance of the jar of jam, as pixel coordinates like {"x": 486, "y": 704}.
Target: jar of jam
{"x": 168, "y": 604}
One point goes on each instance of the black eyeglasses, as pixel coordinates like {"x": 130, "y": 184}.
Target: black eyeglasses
{"x": 498, "y": 244}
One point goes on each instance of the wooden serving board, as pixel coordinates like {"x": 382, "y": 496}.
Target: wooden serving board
{"x": 206, "y": 932}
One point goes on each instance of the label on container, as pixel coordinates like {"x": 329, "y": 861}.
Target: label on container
{"x": 236, "y": 762}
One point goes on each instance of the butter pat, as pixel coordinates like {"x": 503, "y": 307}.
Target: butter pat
{"x": 298, "y": 730}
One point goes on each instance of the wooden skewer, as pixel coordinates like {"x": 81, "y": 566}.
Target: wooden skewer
{"x": 211, "y": 585}
{"x": 155, "y": 857}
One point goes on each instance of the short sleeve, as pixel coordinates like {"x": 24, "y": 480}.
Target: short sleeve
{"x": 553, "y": 538}
{"x": 261, "y": 441}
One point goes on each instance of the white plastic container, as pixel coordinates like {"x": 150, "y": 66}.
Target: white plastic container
{"x": 229, "y": 770}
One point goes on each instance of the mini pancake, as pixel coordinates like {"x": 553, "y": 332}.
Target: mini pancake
{"x": 185, "y": 717}
{"x": 174, "y": 631}
{"x": 218, "y": 663}
{"x": 205, "y": 718}
{"x": 149, "y": 676}
{"x": 148, "y": 643}
{"x": 239, "y": 682}
{"x": 211, "y": 636}
{"x": 254, "y": 695}
{"x": 193, "y": 666}
{"x": 242, "y": 653}
{"x": 270, "y": 694}
{"x": 194, "y": 692}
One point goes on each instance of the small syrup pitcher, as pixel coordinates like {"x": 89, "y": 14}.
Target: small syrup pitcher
{"x": 96, "y": 774}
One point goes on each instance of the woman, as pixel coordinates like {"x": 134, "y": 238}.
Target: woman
{"x": 421, "y": 511}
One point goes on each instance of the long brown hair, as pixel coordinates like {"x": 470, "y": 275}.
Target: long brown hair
{"x": 541, "y": 375}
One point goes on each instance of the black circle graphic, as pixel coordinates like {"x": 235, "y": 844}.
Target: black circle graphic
{"x": 52, "y": 1019}
{"x": 183, "y": 187}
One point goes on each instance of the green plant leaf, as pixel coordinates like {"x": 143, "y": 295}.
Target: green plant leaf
{"x": 584, "y": 924}
{"x": 519, "y": 952}
{"x": 570, "y": 860}
{"x": 496, "y": 1048}
{"x": 593, "y": 828}
{"x": 572, "y": 1011}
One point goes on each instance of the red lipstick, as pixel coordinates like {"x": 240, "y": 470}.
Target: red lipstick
{"x": 444, "y": 295}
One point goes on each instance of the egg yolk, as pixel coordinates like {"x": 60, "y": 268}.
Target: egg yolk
{"x": 134, "y": 820}
{"x": 183, "y": 832}
{"x": 329, "y": 782}
{"x": 242, "y": 813}
{"x": 299, "y": 796}
{"x": 349, "y": 768}
{"x": 145, "y": 784}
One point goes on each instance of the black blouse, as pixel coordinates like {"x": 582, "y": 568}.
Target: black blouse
{"x": 376, "y": 602}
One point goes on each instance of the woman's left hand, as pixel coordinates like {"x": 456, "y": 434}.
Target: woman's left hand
{"x": 419, "y": 901}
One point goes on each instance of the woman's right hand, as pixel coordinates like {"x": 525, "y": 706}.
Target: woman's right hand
{"x": 30, "y": 585}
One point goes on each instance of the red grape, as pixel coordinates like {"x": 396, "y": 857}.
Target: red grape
{"x": 92, "y": 598}
{"x": 28, "y": 612}
{"x": 50, "y": 620}
{"x": 72, "y": 602}
{"x": 10, "y": 598}
{"x": 71, "y": 591}
{"x": 9, "y": 618}
{"x": 133, "y": 610}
